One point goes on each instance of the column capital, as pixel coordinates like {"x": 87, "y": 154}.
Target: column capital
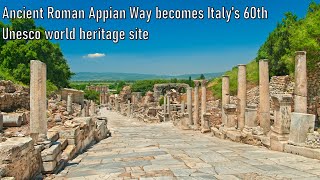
{"x": 204, "y": 82}
{"x": 239, "y": 65}
{"x": 301, "y": 52}
{"x": 196, "y": 83}
{"x": 263, "y": 60}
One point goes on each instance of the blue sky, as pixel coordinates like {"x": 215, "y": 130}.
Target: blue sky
{"x": 175, "y": 46}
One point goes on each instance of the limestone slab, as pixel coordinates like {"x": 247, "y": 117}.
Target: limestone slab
{"x": 301, "y": 124}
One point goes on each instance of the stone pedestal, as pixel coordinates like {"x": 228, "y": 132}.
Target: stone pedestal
{"x": 189, "y": 105}
{"x": 300, "y": 125}
{"x": 251, "y": 116}
{"x": 203, "y": 100}
{"x": 38, "y": 106}
{"x": 264, "y": 96}
{"x": 206, "y": 125}
{"x": 196, "y": 105}
{"x": 282, "y": 118}
{"x": 242, "y": 95}
{"x": 225, "y": 97}
{"x": 231, "y": 115}
{"x": 300, "y": 90}
{"x": 69, "y": 103}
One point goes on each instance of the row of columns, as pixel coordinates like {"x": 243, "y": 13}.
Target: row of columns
{"x": 193, "y": 116}
{"x": 104, "y": 98}
{"x": 281, "y": 102}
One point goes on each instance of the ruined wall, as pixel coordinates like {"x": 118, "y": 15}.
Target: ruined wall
{"x": 13, "y": 97}
{"x": 77, "y": 96}
{"x": 19, "y": 158}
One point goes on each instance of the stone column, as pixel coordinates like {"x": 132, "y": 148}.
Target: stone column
{"x": 225, "y": 97}
{"x": 92, "y": 108}
{"x": 300, "y": 90}
{"x": 203, "y": 100}
{"x": 165, "y": 104}
{"x": 69, "y": 103}
{"x": 168, "y": 104}
{"x": 38, "y": 106}
{"x": 1, "y": 122}
{"x": 264, "y": 96}
{"x": 183, "y": 106}
{"x": 86, "y": 107}
{"x": 129, "y": 109}
{"x": 242, "y": 95}
{"x": 189, "y": 105}
{"x": 196, "y": 104}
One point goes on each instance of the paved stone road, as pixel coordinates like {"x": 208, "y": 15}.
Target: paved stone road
{"x": 160, "y": 151}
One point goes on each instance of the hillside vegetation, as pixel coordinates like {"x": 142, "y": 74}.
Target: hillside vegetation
{"x": 290, "y": 35}
{"x": 15, "y": 56}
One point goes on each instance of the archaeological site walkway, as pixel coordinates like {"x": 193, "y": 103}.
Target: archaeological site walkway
{"x": 138, "y": 150}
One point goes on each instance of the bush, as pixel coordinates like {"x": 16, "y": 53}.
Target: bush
{"x": 92, "y": 95}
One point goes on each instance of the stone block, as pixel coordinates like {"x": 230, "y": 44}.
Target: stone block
{"x": 63, "y": 142}
{"x": 302, "y": 151}
{"x": 53, "y": 136}
{"x": 49, "y": 167}
{"x": 251, "y": 117}
{"x": 216, "y": 132}
{"x": 69, "y": 152}
{"x": 234, "y": 135}
{"x": 301, "y": 125}
{"x": 51, "y": 153}
{"x": 278, "y": 142}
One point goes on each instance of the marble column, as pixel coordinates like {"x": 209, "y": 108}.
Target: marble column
{"x": 225, "y": 97}
{"x": 189, "y": 105}
{"x": 242, "y": 95}
{"x": 203, "y": 100}
{"x": 300, "y": 90}
{"x": 69, "y": 103}
{"x": 183, "y": 106}
{"x": 264, "y": 96}
{"x": 92, "y": 108}
{"x": 38, "y": 106}
{"x": 169, "y": 106}
{"x": 196, "y": 104}
{"x": 86, "y": 107}
{"x": 129, "y": 108}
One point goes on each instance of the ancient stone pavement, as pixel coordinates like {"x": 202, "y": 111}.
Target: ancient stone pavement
{"x": 160, "y": 151}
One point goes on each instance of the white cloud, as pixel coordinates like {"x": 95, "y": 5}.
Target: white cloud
{"x": 94, "y": 55}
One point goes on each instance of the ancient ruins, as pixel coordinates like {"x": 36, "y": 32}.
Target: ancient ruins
{"x": 279, "y": 115}
{"x": 42, "y": 137}
{"x": 274, "y": 114}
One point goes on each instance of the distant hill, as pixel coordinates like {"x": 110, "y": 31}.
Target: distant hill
{"x": 110, "y": 76}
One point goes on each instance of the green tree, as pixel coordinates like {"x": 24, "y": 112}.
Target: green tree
{"x": 277, "y": 45}
{"x": 15, "y": 55}
{"x": 202, "y": 77}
